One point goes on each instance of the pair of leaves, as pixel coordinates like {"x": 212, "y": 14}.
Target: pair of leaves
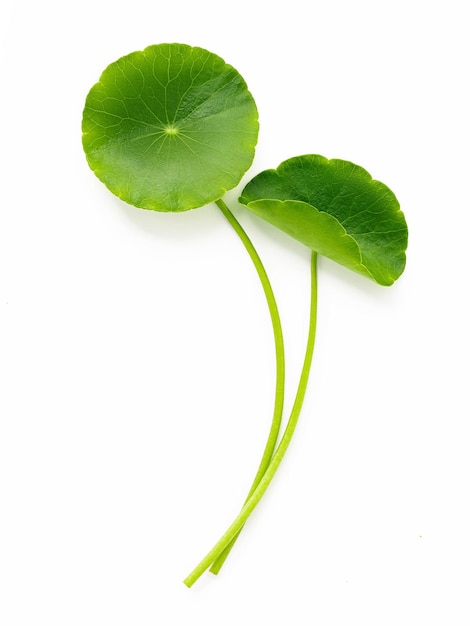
{"x": 173, "y": 127}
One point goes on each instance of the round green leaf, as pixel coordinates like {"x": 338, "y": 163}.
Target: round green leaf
{"x": 337, "y": 209}
{"x": 170, "y": 128}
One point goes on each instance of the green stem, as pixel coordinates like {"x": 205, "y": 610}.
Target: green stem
{"x": 280, "y": 366}
{"x": 259, "y": 491}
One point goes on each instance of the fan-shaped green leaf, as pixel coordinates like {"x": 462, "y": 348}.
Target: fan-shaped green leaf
{"x": 337, "y": 209}
{"x": 170, "y": 128}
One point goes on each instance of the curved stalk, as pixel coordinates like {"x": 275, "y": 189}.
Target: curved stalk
{"x": 266, "y": 479}
{"x": 280, "y": 366}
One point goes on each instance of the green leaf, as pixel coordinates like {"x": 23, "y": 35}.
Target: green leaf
{"x": 337, "y": 209}
{"x": 170, "y": 128}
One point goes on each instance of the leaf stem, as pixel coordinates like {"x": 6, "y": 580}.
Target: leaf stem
{"x": 280, "y": 366}
{"x": 266, "y": 479}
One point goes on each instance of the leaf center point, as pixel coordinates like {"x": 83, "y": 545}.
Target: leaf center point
{"x": 169, "y": 129}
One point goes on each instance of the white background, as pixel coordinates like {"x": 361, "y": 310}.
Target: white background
{"x": 136, "y": 350}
